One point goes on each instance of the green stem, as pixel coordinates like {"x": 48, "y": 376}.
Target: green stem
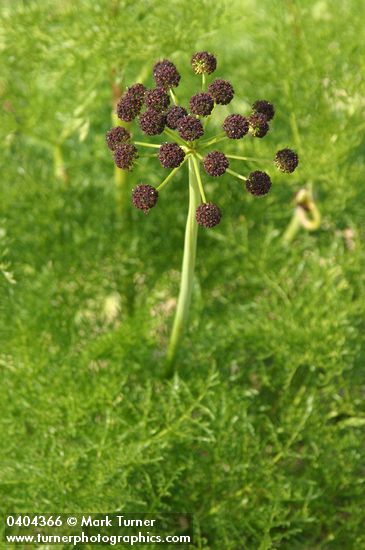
{"x": 173, "y": 97}
{"x": 171, "y": 174}
{"x": 175, "y": 137}
{"x": 188, "y": 267}
{"x": 204, "y": 141}
{"x": 204, "y": 82}
{"x": 213, "y": 141}
{"x": 198, "y": 178}
{"x": 144, "y": 144}
{"x": 238, "y": 157}
{"x": 235, "y": 174}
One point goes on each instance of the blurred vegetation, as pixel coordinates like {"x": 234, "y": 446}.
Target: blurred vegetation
{"x": 261, "y": 433}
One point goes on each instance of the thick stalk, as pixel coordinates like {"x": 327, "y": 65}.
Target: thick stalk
{"x": 188, "y": 267}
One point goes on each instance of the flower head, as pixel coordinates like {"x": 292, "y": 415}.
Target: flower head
{"x": 173, "y": 116}
{"x": 258, "y": 125}
{"x": 128, "y": 108}
{"x": 157, "y": 99}
{"x": 125, "y": 155}
{"x": 215, "y": 163}
{"x": 258, "y": 183}
{"x": 235, "y": 126}
{"x": 152, "y": 122}
{"x": 221, "y": 91}
{"x": 201, "y": 104}
{"x": 190, "y": 128}
{"x": 203, "y": 62}
{"x": 166, "y": 74}
{"x": 144, "y": 197}
{"x": 170, "y": 155}
{"x": 116, "y": 136}
{"x": 158, "y": 115}
{"x": 286, "y": 160}
{"x": 264, "y": 107}
{"x": 137, "y": 92}
{"x": 131, "y": 102}
{"x": 208, "y": 214}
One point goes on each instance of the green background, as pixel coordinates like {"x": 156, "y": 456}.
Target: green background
{"x": 260, "y": 434}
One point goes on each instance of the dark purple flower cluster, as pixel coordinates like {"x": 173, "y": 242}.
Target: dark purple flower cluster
{"x": 125, "y": 155}
{"x": 235, "y": 126}
{"x": 116, "y": 136}
{"x": 201, "y": 104}
{"x": 166, "y": 74}
{"x": 221, "y": 91}
{"x": 190, "y": 128}
{"x": 208, "y": 214}
{"x": 262, "y": 112}
{"x": 173, "y": 115}
{"x": 286, "y": 160}
{"x": 258, "y": 183}
{"x": 152, "y": 122}
{"x": 203, "y": 62}
{"x": 131, "y": 103}
{"x": 157, "y": 99}
{"x": 258, "y": 125}
{"x": 215, "y": 163}
{"x": 170, "y": 155}
{"x": 264, "y": 108}
{"x": 144, "y": 197}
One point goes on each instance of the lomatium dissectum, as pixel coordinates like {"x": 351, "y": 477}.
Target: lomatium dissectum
{"x": 159, "y": 113}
